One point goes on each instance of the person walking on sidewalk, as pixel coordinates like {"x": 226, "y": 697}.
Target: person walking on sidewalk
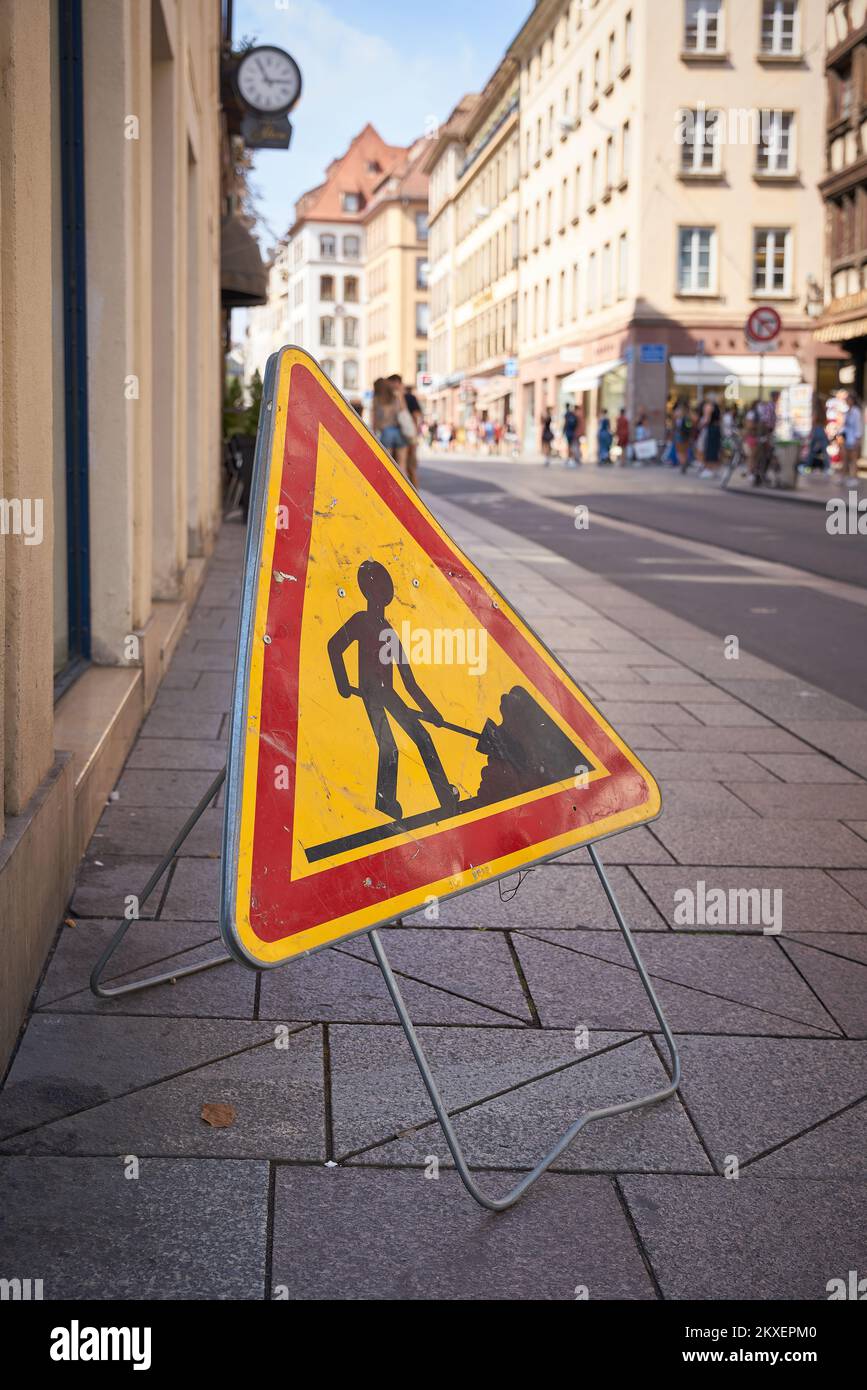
{"x": 682, "y": 434}
{"x": 547, "y": 435}
{"x": 604, "y": 437}
{"x": 621, "y": 430}
{"x": 570, "y": 434}
{"x": 386, "y": 408}
{"x": 853, "y": 434}
{"x": 410, "y": 420}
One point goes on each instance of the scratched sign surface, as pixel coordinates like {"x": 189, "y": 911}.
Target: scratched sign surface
{"x": 399, "y": 734}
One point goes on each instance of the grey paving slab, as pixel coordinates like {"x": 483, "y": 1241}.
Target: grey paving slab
{"x": 691, "y": 691}
{"x": 704, "y": 801}
{"x": 707, "y": 766}
{"x": 767, "y": 843}
{"x": 178, "y": 753}
{"x": 276, "y": 1093}
{"x": 619, "y": 712}
{"x": 724, "y": 716}
{"x": 791, "y": 700}
{"x": 636, "y": 846}
{"x": 671, "y": 673}
{"x": 749, "y": 1095}
{"x": 91, "y": 1233}
{"x": 742, "y": 969}
{"x": 840, "y": 984}
{"x": 194, "y": 890}
{"x": 838, "y": 801}
{"x": 176, "y": 679}
{"x": 854, "y": 881}
{"x": 804, "y": 767}
{"x": 571, "y": 988}
{"x": 213, "y": 692}
{"x": 167, "y": 721}
{"x": 206, "y": 654}
{"x": 338, "y": 987}
{"x": 474, "y": 965}
{"x": 812, "y": 901}
{"x": 359, "y": 1234}
{"x": 515, "y": 1129}
{"x": 69, "y": 1062}
{"x": 708, "y": 1238}
{"x": 377, "y": 1092}
{"x": 844, "y": 740}
{"x": 707, "y": 656}
{"x": 859, "y": 827}
{"x": 129, "y": 830}
{"x": 227, "y": 991}
{"x": 568, "y": 894}
{"x": 163, "y": 788}
{"x": 849, "y": 947}
{"x": 837, "y": 1148}
{"x": 636, "y": 736}
{"x": 738, "y": 739}
{"x": 103, "y": 885}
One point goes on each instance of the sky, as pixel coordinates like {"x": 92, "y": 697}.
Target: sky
{"x": 400, "y": 64}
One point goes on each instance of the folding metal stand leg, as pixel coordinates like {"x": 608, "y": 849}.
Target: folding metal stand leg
{"x": 111, "y": 992}
{"x": 509, "y": 1200}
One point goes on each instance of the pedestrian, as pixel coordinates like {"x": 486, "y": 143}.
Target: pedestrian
{"x": 570, "y": 434}
{"x": 547, "y": 435}
{"x": 410, "y": 420}
{"x": 386, "y": 408}
{"x": 621, "y": 430}
{"x": 817, "y": 445}
{"x": 853, "y": 433}
{"x": 712, "y": 441}
{"x": 682, "y": 434}
{"x": 604, "y": 436}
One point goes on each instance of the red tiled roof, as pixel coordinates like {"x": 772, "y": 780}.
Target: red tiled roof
{"x": 359, "y": 170}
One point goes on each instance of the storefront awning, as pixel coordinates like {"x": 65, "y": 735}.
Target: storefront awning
{"x": 494, "y": 388}
{"x": 243, "y": 277}
{"x": 745, "y": 367}
{"x": 841, "y": 332}
{"x": 586, "y": 378}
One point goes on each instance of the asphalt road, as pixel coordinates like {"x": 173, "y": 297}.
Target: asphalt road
{"x": 818, "y": 636}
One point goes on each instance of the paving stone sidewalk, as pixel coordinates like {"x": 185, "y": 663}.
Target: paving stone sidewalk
{"x": 318, "y": 1189}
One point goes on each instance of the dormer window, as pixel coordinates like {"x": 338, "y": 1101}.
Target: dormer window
{"x": 351, "y": 202}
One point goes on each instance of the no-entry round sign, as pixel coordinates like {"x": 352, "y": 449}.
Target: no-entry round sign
{"x": 763, "y": 324}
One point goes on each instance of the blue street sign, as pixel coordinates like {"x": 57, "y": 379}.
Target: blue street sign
{"x": 651, "y": 352}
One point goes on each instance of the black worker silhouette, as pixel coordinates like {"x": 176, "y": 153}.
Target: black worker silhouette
{"x": 526, "y": 751}
{"x": 377, "y": 640}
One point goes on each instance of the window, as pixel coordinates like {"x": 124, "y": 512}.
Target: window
{"x": 326, "y": 287}
{"x": 594, "y": 178}
{"x": 597, "y": 70}
{"x": 350, "y": 332}
{"x": 625, "y": 151}
{"x": 561, "y": 300}
{"x": 575, "y": 292}
{"x": 579, "y": 96}
{"x": 327, "y": 365}
{"x": 328, "y": 246}
{"x": 703, "y": 30}
{"x": 775, "y": 150}
{"x": 577, "y": 201}
{"x": 422, "y": 315}
{"x": 299, "y": 292}
{"x": 564, "y": 204}
{"x": 606, "y": 274}
{"x": 696, "y": 260}
{"x": 549, "y": 198}
{"x": 351, "y": 248}
{"x": 771, "y": 260}
{"x": 421, "y": 226}
{"x": 627, "y": 40}
{"x": 422, "y": 271}
{"x": 699, "y": 152}
{"x": 622, "y": 267}
{"x": 350, "y": 289}
{"x": 350, "y": 374}
{"x": 779, "y": 26}
{"x": 612, "y": 58}
{"x": 609, "y": 163}
{"x": 351, "y": 202}
{"x": 591, "y": 283}
{"x": 326, "y": 332}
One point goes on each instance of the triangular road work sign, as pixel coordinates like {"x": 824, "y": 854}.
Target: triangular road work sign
{"x": 399, "y": 734}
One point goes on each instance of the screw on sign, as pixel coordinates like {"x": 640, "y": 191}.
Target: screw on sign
{"x": 763, "y": 324}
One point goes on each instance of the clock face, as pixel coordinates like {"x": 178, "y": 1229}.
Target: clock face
{"x": 268, "y": 79}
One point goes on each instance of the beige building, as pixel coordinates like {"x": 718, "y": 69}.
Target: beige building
{"x": 110, "y": 213}
{"x": 396, "y": 271}
{"x": 443, "y": 163}
{"x": 670, "y": 161}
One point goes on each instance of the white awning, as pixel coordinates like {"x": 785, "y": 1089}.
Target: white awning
{"x": 715, "y": 371}
{"x": 587, "y": 377}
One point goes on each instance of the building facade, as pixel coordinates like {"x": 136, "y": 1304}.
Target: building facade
{"x": 443, "y": 162}
{"x": 646, "y": 131}
{"x": 396, "y": 271}
{"x": 110, "y": 465}
{"x": 844, "y": 186}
